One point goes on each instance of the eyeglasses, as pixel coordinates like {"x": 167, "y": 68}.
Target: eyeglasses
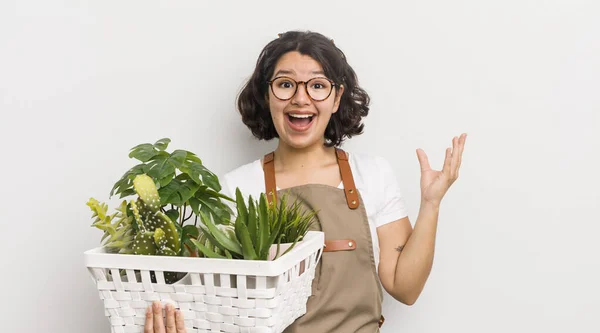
{"x": 318, "y": 88}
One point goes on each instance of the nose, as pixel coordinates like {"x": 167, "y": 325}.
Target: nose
{"x": 301, "y": 97}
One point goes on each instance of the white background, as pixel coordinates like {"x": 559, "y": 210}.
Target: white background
{"x": 517, "y": 248}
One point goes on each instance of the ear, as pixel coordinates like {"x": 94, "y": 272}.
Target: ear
{"x": 338, "y": 98}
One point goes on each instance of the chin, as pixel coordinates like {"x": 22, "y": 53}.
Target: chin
{"x": 301, "y": 143}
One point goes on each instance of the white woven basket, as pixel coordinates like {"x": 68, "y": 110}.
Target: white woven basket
{"x": 215, "y": 295}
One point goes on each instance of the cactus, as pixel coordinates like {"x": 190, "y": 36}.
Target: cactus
{"x": 157, "y": 232}
{"x": 146, "y": 189}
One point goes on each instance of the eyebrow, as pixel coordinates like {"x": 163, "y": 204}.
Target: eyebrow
{"x": 289, "y": 72}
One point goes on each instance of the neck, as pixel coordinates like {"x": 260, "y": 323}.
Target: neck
{"x": 288, "y": 158}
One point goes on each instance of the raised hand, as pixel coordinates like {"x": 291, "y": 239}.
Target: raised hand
{"x": 434, "y": 183}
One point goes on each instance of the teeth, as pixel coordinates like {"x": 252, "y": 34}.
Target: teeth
{"x": 300, "y": 115}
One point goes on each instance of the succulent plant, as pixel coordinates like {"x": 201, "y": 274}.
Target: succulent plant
{"x": 257, "y": 227}
{"x": 118, "y": 228}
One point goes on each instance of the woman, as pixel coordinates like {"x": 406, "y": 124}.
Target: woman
{"x": 304, "y": 93}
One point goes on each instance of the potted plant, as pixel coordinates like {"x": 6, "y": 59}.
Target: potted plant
{"x": 175, "y": 238}
{"x": 172, "y": 189}
{"x": 260, "y": 230}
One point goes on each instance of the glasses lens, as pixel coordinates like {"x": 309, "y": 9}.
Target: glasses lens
{"x": 319, "y": 88}
{"x": 284, "y": 88}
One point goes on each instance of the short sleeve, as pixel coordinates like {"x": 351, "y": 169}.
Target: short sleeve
{"x": 226, "y": 190}
{"x": 391, "y": 205}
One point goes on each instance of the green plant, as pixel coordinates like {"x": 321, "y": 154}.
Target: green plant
{"x": 185, "y": 186}
{"x": 157, "y": 234}
{"x": 140, "y": 226}
{"x": 257, "y": 227}
{"x": 181, "y": 187}
{"x": 297, "y": 222}
{"x": 119, "y": 228}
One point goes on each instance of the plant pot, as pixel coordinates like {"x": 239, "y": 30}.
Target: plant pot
{"x": 282, "y": 248}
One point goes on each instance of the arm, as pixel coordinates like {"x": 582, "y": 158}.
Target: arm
{"x": 406, "y": 255}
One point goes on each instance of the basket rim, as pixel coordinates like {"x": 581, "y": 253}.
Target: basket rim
{"x": 312, "y": 242}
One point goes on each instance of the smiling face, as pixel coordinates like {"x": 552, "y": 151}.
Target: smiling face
{"x": 301, "y": 121}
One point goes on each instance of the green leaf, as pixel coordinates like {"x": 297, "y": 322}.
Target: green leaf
{"x": 214, "y": 208}
{"x": 193, "y": 171}
{"x": 177, "y": 158}
{"x": 173, "y": 214}
{"x": 201, "y": 175}
{"x": 191, "y": 157}
{"x": 190, "y": 230}
{"x": 162, "y": 144}
{"x": 241, "y": 206}
{"x": 210, "y": 178}
{"x": 195, "y": 205}
{"x": 252, "y": 223}
{"x": 237, "y": 227}
{"x": 177, "y": 192}
{"x": 127, "y": 193}
{"x": 126, "y": 181}
{"x": 206, "y": 251}
{"x": 247, "y": 248}
{"x": 264, "y": 226}
{"x": 221, "y": 237}
{"x": 159, "y": 166}
{"x": 143, "y": 152}
{"x": 215, "y": 194}
{"x": 213, "y": 241}
{"x": 166, "y": 180}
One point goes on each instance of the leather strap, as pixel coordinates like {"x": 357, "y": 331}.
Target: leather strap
{"x": 339, "y": 245}
{"x": 345, "y": 173}
{"x": 347, "y": 179}
{"x": 269, "y": 170}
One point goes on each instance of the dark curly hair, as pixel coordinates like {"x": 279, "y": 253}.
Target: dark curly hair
{"x": 354, "y": 104}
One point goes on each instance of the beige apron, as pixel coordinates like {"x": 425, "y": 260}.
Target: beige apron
{"x": 347, "y": 294}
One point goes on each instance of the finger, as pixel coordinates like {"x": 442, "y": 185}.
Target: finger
{"x": 169, "y": 309}
{"x": 423, "y": 160}
{"x": 463, "y": 139}
{"x": 148, "y": 326}
{"x": 179, "y": 322}
{"x": 159, "y": 327}
{"x": 447, "y": 161}
{"x": 454, "y": 160}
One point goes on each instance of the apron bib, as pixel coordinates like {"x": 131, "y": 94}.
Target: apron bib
{"x": 347, "y": 293}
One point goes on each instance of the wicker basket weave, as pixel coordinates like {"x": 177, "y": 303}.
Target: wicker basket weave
{"x": 214, "y": 295}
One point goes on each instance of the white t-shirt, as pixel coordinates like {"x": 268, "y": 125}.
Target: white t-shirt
{"x": 373, "y": 177}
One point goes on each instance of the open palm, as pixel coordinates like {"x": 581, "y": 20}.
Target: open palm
{"x": 435, "y": 183}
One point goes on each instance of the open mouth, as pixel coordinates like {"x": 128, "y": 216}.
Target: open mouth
{"x": 300, "y": 122}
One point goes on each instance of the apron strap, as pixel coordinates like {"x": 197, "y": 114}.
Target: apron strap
{"x": 347, "y": 179}
{"x": 269, "y": 170}
{"x": 345, "y": 173}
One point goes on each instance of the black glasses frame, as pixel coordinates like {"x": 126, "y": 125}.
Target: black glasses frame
{"x": 270, "y": 82}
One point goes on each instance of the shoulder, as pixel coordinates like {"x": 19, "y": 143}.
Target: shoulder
{"x": 370, "y": 169}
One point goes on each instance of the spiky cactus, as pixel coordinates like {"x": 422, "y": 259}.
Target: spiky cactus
{"x": 157, "y": 233}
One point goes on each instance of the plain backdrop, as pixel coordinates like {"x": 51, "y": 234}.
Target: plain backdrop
{"x": 81, "y": 82}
